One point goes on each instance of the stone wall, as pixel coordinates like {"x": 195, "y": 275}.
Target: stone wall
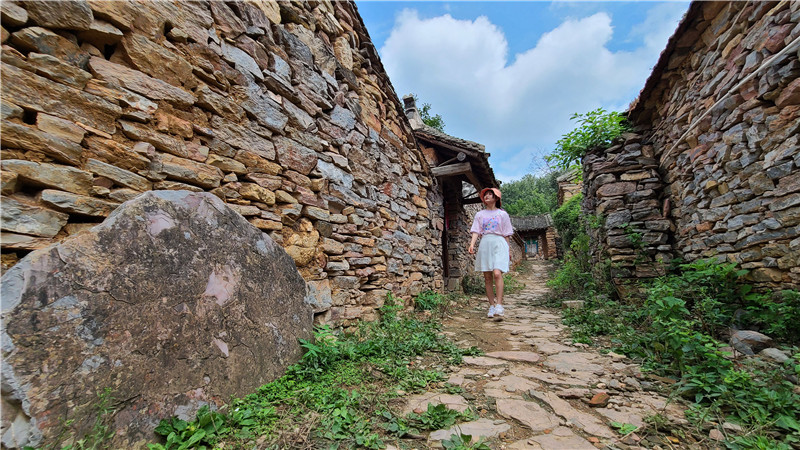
{"x": 281, "y": 109}
{"x": 719, "y": 123}
{"x": 623, "y": 188}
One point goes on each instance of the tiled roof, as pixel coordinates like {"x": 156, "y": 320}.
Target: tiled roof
{"x": 530, "y": 223}
{"x": 437, "y": 135}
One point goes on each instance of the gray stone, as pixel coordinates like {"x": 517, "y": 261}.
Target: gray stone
{"x": 77, "y": 204}
{"x": 775, "y": 355}
{"x": 265, "y": 111}
{"x": 748, "y": 341}
{"x": 156, "y": 285}
{"x": 121, "y": 177}
{"x": 318, "y": 295}
{"x": 785, "y": 202}
{"x": 421, "y": 401}
{"x": 618, "y": 219}
{"x": 781, "y": 170}
{"x": 25, "y": 218}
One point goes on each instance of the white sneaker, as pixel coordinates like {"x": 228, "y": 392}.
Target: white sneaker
{"x": 499, "y": 310}
{"x": 491, "y": 311}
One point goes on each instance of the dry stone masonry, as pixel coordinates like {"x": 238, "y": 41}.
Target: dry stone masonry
{"x": 281, "y": 109}
{"x": 714, "y": 169}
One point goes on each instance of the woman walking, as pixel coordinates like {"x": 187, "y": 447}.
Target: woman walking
{"x": 494, "y": 227}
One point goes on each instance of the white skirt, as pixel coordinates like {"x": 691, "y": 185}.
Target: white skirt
{"x": 493, "y": 253}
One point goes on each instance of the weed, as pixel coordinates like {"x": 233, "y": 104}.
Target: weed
{"x": 511, "y": 285}
{"x": 436, "y": 417}
{"x": 677, "y": 332}
{"x": 624, "y": 428}
{"x": 472, "y": 284}
{"x": 463, "y": 442}
{"x": 206, "y": 429}
{"x": 335, "y": 396}
{"x": 429, "y": 300}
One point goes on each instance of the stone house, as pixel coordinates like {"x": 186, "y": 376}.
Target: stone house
{"x": 538, "y": 236}
{"x": 712, "y": 169}
{"x": 462, "y": 169}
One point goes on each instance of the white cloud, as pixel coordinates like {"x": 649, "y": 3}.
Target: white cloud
{"x": 462, "y": 69}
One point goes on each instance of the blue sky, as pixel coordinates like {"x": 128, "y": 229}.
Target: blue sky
{"x": 510, "y": 74}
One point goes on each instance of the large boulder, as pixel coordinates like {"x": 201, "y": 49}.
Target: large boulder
{"x": 174, "y": 302}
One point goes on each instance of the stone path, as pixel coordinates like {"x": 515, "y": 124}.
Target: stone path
{"x": 534, "y": 389}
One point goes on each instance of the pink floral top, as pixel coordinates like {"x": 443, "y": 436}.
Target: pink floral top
{"x": 492, "y": 222}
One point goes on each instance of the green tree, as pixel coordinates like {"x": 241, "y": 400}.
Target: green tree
{"x": 596, "y": 129}
{"x": 434, "y": 121}
{"x": 531, "y": 195}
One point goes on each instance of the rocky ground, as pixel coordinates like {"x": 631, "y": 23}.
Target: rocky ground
{"x": 534, "y": 389}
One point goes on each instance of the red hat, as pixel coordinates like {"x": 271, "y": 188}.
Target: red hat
{"x": 497, "y": 194}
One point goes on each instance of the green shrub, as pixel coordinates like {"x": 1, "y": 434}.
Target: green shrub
{"x": 596, "y": 129}
{"x": 567, "y": 220}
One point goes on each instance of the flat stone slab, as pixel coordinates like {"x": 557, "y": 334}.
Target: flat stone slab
{"x": 481, "y": 428}
{"x": 500, "y": 393}
{"x": 512, "y": 383}
{"x": 483, "y": 361}
{"x": 562, "y": 438}
{"x": 624, "y": 415}
{"x": 530, "y": 357}
{"x": 456, "y": 379}
{"x": 548, "y": 377}
{"x": 421, "y": 401}
{"x": 549, "y": 347}
{"x": 585, "y": 421}
{"x": 578, "y": 364}
{"x": 528, "y": 413}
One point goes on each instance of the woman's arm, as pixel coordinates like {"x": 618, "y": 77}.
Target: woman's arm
{"x": 472, "y": 243}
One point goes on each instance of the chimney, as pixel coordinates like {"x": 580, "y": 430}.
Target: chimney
{"x": 412, "y": 113}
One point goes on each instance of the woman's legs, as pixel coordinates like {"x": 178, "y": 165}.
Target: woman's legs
{"x": 498, "y": 282}
{"x": 487, "y": 279}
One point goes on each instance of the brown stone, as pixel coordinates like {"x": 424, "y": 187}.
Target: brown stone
{"x": 119, "y": 176}
{"x": 140, "y": 82}
{"x": 40, "y": 94}
{"x": 295, "y": 156}
{"x": 12, "y": 14}
{"x": 26, "y": 138}
{"x": 242, "y": 137}
{"x": 51, "y": 175}
{"x": 71, "y": 15}
{"x": 56, "y": 70}
{"x": 186, "y": 170}
{"x": 790, "y": 95}
{"x": 616, "y": 189}
{"x": 160, "y": 141}
{"x": 157, "y": 61}
{"x": 599, "y": 400}
{"x": 101, "y": 33}
{"x": 41, "y": 40}
{"x": 60, "y": 128}
{"x": 124, "y": 156}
